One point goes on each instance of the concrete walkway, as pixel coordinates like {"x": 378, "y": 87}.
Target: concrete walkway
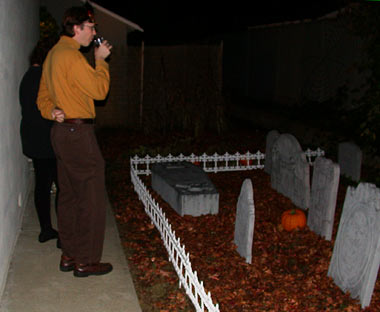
{"x": 35, "y": 283}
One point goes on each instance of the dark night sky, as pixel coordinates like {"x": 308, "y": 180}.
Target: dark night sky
{"x": 197, "y": 19}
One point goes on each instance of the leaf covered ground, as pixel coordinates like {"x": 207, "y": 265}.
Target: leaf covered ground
{"x": 288, "y": 270}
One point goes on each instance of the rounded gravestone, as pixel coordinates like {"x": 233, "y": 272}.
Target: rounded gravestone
{"x": 357, "y": 231}
{"x": 355, "y": 260}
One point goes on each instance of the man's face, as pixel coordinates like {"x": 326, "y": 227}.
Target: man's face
{"x": 84, "y": 33}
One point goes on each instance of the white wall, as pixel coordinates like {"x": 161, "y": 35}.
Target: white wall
{"x": 19, "y": 31}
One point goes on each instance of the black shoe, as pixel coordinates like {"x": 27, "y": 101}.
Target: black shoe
{"x": 84, "y": 270}
{"x": 47, "y": 234}
{"x": 66, "y": 264}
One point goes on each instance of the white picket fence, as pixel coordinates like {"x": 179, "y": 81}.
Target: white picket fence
{"x": 311, "y": 155}
{"x": 177, "y": 254}
{"x": 210, "y": 163}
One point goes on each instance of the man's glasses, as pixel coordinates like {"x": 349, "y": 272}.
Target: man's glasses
{"x": 92, "y": 27}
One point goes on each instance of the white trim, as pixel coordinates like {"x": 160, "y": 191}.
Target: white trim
{"x": 115, "y": 16}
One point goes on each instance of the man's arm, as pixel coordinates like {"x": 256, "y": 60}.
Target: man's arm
{"x": 93, "y": 82}
{"x": 46, "y": 105}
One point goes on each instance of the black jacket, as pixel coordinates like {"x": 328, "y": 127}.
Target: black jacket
{"x": 34, "y": 129}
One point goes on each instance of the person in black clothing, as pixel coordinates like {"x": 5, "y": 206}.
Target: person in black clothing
{"x": 35, "y": 139}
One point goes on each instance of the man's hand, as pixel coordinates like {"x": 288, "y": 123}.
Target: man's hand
{"x": 103, "y": 51}
{"x": 58, "y": 115}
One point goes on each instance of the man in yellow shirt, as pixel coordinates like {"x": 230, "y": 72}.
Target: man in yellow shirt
{"x": 68, "y": 88}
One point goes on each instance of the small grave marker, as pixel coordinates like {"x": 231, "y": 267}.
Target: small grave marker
{"x": 245, "y": 221}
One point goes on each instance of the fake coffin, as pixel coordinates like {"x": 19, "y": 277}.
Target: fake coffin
{"x": 186, "y": 188}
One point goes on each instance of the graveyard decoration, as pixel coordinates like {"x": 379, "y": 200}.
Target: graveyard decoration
{"x": 324, "y": 190}
{"x": 245, "y": 162}
{"x": 288, "y": 269}
{"x": 356, "y": 256}
{"x": 290, "y": 172}
{"x": 293, "y": 219}
{"x": 245, "y": 221}
{"x": 271, "y": 137}
{"x": 186, "y": 187}
{"x": 350, "y": 160}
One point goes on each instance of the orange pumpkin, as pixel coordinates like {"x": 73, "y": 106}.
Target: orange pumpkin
{"x": 245, "y": 162}
{"x": 292, "y": 219}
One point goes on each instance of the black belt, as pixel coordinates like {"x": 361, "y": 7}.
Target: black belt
{"x": 79, "y": 121}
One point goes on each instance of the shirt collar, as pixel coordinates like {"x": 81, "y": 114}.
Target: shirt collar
{"x": 70, "y": 41}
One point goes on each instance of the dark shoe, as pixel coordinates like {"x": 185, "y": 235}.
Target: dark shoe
{"x": 84, "y": 270}
{"x": 67, "y": 264}
{"x": 47, "y": 234}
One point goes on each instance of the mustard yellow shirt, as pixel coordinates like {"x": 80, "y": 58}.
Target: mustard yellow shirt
{"x": 70, "y": 83}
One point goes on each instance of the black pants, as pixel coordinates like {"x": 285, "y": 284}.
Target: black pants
{"x": 45, "y": 171}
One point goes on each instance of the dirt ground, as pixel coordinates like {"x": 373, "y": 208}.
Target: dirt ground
{"x": 288, "y": 270}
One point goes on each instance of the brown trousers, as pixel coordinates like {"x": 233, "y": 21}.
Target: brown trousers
{"x": 82, "y": 198}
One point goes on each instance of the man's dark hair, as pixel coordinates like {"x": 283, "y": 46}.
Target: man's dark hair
{"x": 41, "y": 49}
{"x": 75, "y": 16}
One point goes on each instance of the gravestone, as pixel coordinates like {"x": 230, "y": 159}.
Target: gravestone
{"x": 350, "y": 160}
{"x": 245, "y": 221}
{"x": 186, "y": 188}
{"x": 324, "y": 190}
{"x": 290, "y": 173}
{"x": 272, "y": 136}
{"x": 356, "y": 256}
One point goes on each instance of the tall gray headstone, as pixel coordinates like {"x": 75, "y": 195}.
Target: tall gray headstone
{"x": 356, "y": 256}
{"x": 350, "y": 160}
{"x": 324, "y": 190}
{"x": 290, "y": 173}
{"x": 245, "y": 221}
{"x": 272, "y": 136}
{"x": 186, "y": 187}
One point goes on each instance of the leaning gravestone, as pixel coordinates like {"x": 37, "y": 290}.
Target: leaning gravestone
{"x": 356, "y": 256}
{"x": 350, "y": 160}
{"x": 324, "y": 190}
{"x": 186, "y": 187}
{"x": 290, "y": 173}
{"x": 245, "y": 221}
{"x": 272, "y": 136}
